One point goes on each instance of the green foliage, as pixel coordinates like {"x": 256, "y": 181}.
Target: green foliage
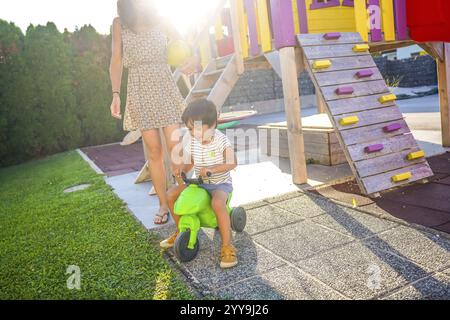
{"x": 55, "y": 91}
{"x": 44, "y": 231}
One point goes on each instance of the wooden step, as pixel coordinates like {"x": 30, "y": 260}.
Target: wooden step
{"x": 214, "y": 73}
{"x": 222, "y": 62}
{"x": 201, "y": 92}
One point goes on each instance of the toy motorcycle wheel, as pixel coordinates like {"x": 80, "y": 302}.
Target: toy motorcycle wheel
{"x": 238, "y": 219}
{"x": 183, "y": 253}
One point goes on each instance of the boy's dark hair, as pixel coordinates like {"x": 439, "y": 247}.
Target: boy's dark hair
{"x": 200, "y": 110}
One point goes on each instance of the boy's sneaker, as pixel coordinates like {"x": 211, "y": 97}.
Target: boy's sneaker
{"x": 169, "y": 242}
{"x": 228, "y": 257}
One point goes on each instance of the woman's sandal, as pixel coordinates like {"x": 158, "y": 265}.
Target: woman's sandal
{"x": 164, "y": 218}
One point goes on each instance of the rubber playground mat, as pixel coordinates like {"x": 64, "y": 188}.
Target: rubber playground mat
{"x": 114, "y": 159}
{"x": 425, "y": 204}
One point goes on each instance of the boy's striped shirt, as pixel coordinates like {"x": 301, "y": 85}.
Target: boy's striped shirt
{"x": 206, "y": 155}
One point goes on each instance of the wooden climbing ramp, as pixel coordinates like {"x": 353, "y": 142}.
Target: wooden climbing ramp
{"x": 377, "y": 142}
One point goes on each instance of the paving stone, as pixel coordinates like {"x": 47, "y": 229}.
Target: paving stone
{"x": 164, "y": 231}
{"x": 79, "y": 187}
{"x": 436, "y": 287}
{"x": 300, "y": 240}
{"x": 208, "y": 238}
{"x": 268, "y": 217}
{"x": 211, "y": 238}
{"x": 362, "y": 272}
{"x": 283, "y": 197}
{"x": 307, "y": 206}
{"x": 285, "y": 283}
{"x": 253, "y": 205}
{"x": 446, "y": 272}
{"x": 354, "y": 223}
{"x": 252, "y": 259}
{"x": 425, "y": 249}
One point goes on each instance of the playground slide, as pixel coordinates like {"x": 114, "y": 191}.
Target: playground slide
{"x": 378, "y": 144}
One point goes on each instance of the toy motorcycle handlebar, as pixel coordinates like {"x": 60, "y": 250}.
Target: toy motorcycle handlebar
{"x": 197, "y": 181}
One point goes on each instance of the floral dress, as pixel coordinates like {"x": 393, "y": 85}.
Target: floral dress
{"x": 153, "y": 98}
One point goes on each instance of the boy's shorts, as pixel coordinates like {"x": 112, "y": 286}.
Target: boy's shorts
{"x": 226, "y": 187}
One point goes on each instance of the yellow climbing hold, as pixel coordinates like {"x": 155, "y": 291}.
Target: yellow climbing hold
{"x": 321, "y": 64}
{"x": 361, "y": 48}
{"x": 349, "y": 120}
{"x": 416, "y": 155}
{"x": 388, "y": 98}
{"x": 402, "y": 177}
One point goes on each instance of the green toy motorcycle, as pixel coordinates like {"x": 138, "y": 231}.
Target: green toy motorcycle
{"x": 195, "y": 211}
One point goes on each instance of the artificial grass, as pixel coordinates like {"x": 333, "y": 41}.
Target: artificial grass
{"x": 43, "y": 231}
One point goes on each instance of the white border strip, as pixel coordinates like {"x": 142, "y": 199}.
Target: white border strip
{"x": 90, "y": 162}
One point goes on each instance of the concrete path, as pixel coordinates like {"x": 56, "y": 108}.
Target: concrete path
{"x": 303, "y": 246}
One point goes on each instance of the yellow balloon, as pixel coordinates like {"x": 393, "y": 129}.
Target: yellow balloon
{"x": 178, "y": 52}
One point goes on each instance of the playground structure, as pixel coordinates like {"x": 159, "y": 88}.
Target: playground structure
{"x": 332, "y": 41}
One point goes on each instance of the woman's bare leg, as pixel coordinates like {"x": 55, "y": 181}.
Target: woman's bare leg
{"x": 173, "y": 138}
{"x": 152, "y": 140}
{"x": 172, "y": 196}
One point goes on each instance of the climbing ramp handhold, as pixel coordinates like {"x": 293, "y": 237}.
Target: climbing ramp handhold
{"x": 332, "y": 35}
{"x": 388, "y": 98}
{"x": 349, "y": 120}
{"x": 321, "y": 64}
{"x": 364, "y": 73}
{"x": 374, "y": 148}
{"x": 344, "y": 90}
{"x": 361, "y": 48}
{"x": 416, "y": 155}
{"x": 392, "y": 127}
{"x": 402, "y": 177}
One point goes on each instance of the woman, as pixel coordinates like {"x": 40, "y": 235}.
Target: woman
{"x": 139, "y": 43}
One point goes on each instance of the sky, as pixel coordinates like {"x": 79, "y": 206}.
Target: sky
{"x": 99, "y": 13}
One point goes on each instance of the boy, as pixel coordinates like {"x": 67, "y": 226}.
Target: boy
{"x": 209, "y": 152}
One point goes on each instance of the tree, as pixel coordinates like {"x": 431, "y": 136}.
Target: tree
{"x": 16, "y": 118}
{"x": 48, "y": 59}
{"x": 92, "y": 87}
{"x": 55, "y": 91}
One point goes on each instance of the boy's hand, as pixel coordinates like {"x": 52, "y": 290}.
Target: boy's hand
{"x": 177, "y": 170}
{"x": 204, "y": 172}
